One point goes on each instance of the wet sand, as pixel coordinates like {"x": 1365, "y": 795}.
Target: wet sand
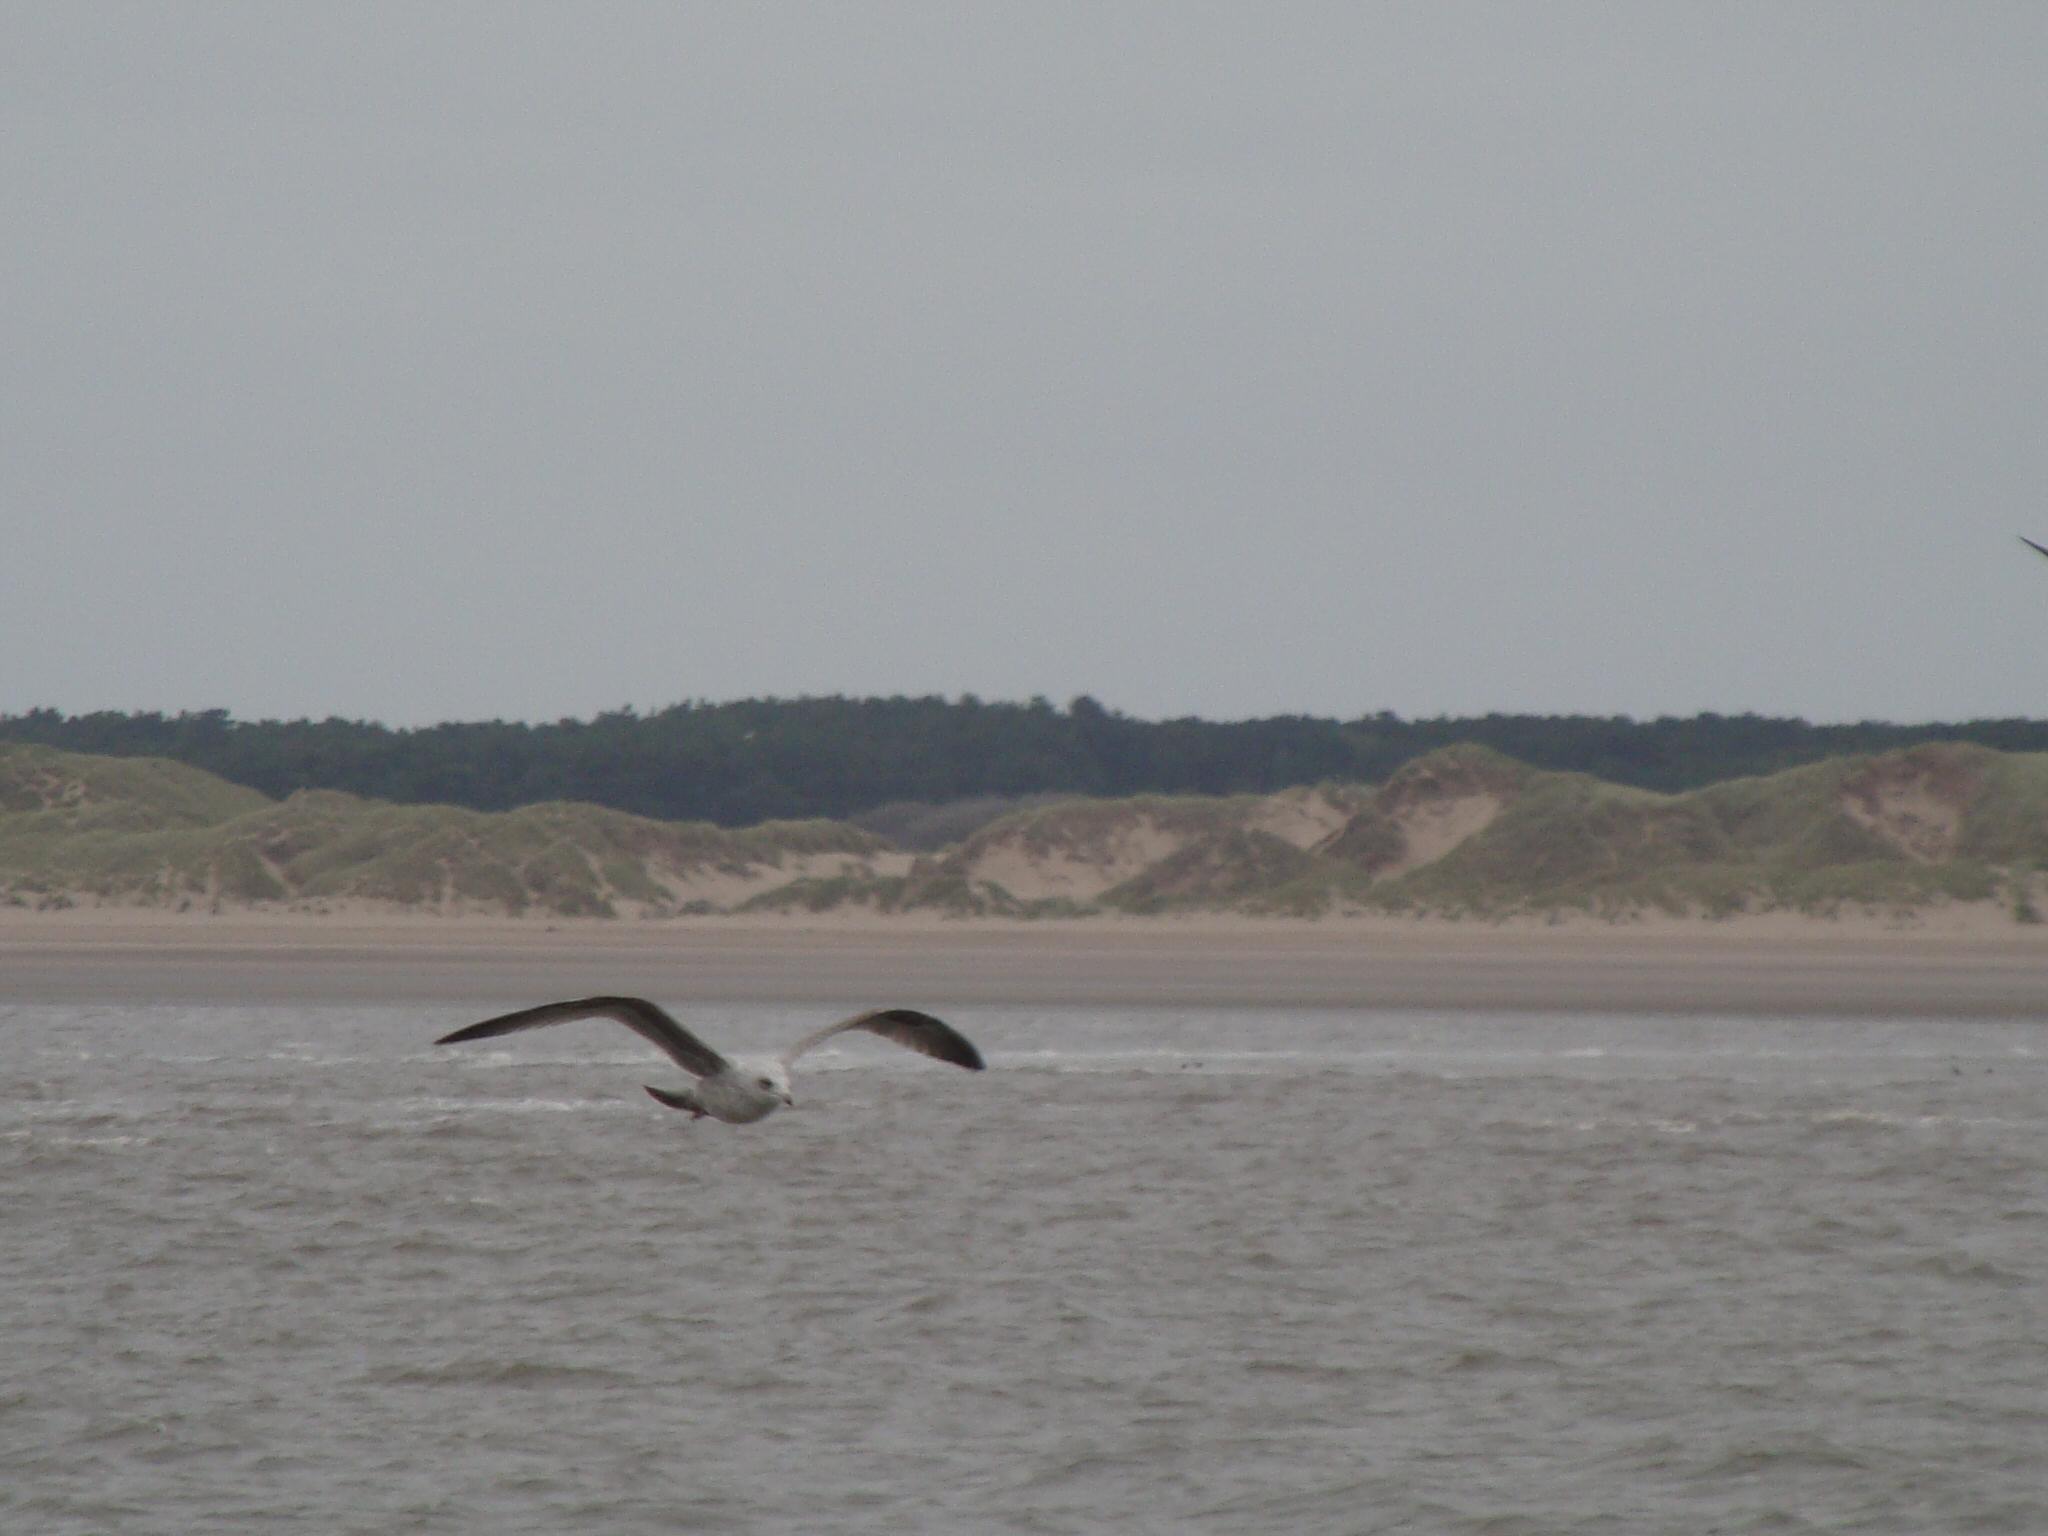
{"x": 1757, "y": 968}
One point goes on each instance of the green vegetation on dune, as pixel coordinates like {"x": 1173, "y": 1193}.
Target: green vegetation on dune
{"x": 1469, "y": 833}
{"x": 1899, "y": 830}
{"x": 126, "y": 830}
{"x": 1218, "y": 870}
{"x": 2008, "y": 820}
{"x": 61, "y": 794}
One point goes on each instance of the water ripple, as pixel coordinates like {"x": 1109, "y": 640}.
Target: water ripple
{"x": 1155, "y": 1272}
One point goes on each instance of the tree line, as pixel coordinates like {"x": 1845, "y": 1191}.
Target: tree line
{"x": 753, "y": 760}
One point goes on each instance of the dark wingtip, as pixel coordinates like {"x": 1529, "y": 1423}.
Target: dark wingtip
{"x": 941, "y": 1040}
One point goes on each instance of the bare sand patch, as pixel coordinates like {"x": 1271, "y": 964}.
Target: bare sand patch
{"x": 727, "y": 886}
{"x": 1911, "y": 815}
{"x": 1915, "y": 800}
{"x": 1432, "y": 828}
{"x": 1032, "y": 870}
{"x": 1303, "y": 817}
{"x": 1914, "y": 821}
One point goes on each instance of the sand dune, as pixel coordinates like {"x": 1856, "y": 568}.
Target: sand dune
{"x": 1462, "y": 833}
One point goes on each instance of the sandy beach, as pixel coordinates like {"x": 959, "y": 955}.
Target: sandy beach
{"x": 1960, "y": 965}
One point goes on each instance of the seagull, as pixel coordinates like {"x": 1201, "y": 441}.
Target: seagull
{"x": 736, "y": 1089}
{"x": 2036, "y": 548}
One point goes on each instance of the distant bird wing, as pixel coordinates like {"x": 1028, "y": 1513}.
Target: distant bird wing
{"x": 636, "y": 1013}
{"x": 920, "y": 1032}
{"x": 2036, "y": 548}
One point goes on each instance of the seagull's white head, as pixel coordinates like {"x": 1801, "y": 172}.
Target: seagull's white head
{"x": 767, "y": 1075}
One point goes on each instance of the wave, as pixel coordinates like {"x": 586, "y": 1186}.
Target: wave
{"x": 521, "y": 1106}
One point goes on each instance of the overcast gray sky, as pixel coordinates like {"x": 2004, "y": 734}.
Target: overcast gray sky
{"x": 443, "y": 362}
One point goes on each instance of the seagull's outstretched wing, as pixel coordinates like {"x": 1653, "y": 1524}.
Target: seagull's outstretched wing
{"x": 2036, "y": 548}
{"x": 907, "y": 1027}
{"x": 636, "y": 1013}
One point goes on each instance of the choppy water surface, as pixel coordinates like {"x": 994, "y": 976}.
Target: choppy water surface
{"x": 295, "y": 1269}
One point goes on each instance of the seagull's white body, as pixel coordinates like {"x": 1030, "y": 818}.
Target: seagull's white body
{"x": 736, "y": 1089}
{"x": 753, "y": 1089}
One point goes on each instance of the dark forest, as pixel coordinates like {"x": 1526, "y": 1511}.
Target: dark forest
{"x": 755, "y": 760}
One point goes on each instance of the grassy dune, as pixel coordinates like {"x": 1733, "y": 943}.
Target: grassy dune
{"x": 136, "y": 831}
{"x": 1461, "y": 833}
{"x": 1466, "y": 832}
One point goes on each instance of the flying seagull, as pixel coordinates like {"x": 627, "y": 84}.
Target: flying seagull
{"x": 2036, "y": 548}
{"x": 738, "y": 1089}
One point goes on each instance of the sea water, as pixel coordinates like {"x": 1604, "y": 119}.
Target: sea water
{"x": 1155, "y": 1271}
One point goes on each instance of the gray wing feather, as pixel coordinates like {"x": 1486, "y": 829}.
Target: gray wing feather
{"x": 636, "y": 1013}
{"x": 919, "y": 1032}
{"x": 2036, "y": 548}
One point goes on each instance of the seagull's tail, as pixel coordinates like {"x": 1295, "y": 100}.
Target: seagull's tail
{"x": 675, "y": 1100}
